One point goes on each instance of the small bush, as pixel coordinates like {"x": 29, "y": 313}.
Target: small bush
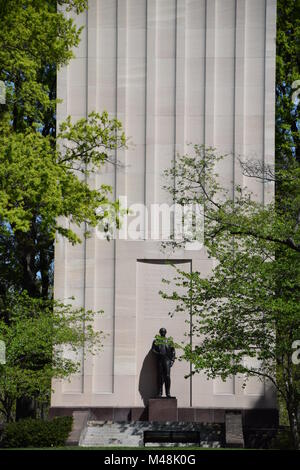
{"x": 37, "y": 433}
{"x": 282, "y": 441}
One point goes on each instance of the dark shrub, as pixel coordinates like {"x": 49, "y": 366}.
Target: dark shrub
{"x": 283, "y": 440}
{"x": 37, "y": 433}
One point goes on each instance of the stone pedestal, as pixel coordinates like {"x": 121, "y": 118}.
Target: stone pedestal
{"x": 163, "y": 409}
{"x": 234, "y": 429}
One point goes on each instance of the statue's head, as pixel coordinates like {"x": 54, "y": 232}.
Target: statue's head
{"x": 162, "y": 332}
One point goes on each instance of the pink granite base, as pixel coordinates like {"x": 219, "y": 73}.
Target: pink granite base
{"x": 163, "y": 409}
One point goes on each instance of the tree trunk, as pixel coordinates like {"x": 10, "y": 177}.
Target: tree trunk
{"x": 7, "y": 405}
{"x": 293, "y": 420}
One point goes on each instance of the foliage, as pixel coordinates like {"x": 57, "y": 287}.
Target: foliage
{"x": 43, "y": 179}
{"x": 198, "y": 183}
{"x": 41, "y": 186}
{"x": 282, "y": 441}
{"x": 287, "y": 73}
{"x": 39, "y": 181}
{"x": 35, "y": 40}
{"x": 164, "y": 340}
{"x": 44, "y": 192}
{"x": 37, "y": 433}
{"x": 246, "y": 314}
{"x": 42, "y": 339}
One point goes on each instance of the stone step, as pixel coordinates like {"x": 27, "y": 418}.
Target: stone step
{"x": 130, "y": 434}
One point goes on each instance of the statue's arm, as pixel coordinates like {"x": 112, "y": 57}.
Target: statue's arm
{"x": 173, "y": 355}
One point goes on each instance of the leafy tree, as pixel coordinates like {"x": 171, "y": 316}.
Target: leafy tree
{"x": 40, "y": 187}
{"x": 41, "y": 183}
{"x": 36, "y": 332}
{"x": 38, "y": 180}
{"x": 35, "y": 40}
{"x": 43, "y": 176}
{"x": 248, "y": 308}
{"x": 287, "y": 74}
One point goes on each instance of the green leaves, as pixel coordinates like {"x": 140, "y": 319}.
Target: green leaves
{"x": 92, "y": 140}
{"x": 35, "y": 39}
{"x": 38, "y": 184}
{"x": 246, "y": 314}
{"x": 37, "y": 433}
{"x": 287, "y": 72}
{"x": 44, "y": 192}
{"x": 35, "y": 333}
{"x": 167, "y": 341}
{"x": 242, "y": 215}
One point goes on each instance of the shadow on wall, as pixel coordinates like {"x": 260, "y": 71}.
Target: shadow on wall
{"x": 148, "y": 378}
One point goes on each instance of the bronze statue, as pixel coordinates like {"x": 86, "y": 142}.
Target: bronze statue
{"x": 165, "y": 353}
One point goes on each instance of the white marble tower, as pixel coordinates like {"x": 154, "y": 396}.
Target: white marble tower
{"x": 174, "y": 72}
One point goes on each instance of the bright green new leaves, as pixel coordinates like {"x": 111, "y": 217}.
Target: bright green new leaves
{"x": 43, "y": 181}
{"x": 246, "y": 314}
{"x": 38, "y": 183}
{"x": 44, "y": 191}
{"x": 35, "y": 333}
{"x": 35, "y": 40}
{"x": 91, "y": 141}
{"x": 287, "y": 82}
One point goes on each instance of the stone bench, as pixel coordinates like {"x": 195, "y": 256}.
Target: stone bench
{"x": 172, "y": 437}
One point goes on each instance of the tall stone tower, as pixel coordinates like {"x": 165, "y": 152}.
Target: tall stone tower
{"x": 174, "y": 72}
